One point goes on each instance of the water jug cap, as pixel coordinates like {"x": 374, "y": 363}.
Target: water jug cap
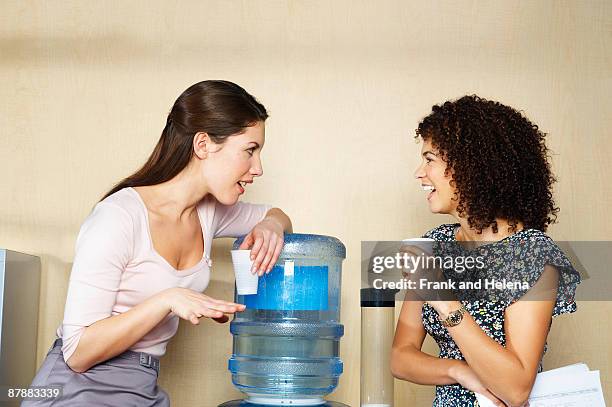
{"x": 306, "y": 245}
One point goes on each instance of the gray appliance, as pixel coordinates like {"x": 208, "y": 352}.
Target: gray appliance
{"x": 19, "y": 300}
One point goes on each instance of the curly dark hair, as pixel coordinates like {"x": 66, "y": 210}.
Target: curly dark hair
{"x": 497, "y": 161}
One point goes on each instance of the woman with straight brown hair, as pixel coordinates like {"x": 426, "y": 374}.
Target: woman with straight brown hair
{"x": 142, "y": 256}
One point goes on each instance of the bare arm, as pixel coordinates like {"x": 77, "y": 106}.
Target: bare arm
{"x": 112, "y": 336}
{"x": 408, "y": 362}
{"x": 279, "y": 216}
{"x": 509, "y": 372}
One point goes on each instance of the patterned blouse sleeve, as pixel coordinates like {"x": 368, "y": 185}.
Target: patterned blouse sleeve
{"x": 539, "y": 252}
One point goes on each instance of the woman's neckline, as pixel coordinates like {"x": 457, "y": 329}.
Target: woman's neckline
{"x": 182, "y": 272}
{"x": 457, "y": 226}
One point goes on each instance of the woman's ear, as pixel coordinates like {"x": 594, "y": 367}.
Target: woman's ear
{"x": 201, "y": 145}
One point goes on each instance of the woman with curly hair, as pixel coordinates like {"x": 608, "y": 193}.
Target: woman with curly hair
{"x": 486, "y": 165}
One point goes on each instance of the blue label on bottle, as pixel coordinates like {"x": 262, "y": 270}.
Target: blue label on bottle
{"x": 291, "y": 287}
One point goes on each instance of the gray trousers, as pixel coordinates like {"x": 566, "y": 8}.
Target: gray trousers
{"x": 129, "y": 379}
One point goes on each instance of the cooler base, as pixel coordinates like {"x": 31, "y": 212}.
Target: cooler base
{"x": 244, "y": 403}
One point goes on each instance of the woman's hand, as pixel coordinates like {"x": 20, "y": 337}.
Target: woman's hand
{"x": 427, "y": 278}
{"x": 415, "y": 250}
{"x": 191, "y": 305}
{"x": 266, "y": 239}
{"x": 465, "y": 376}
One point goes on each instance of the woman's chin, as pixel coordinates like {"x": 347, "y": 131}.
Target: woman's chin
{"x": 227, "y": 199}
{"x": 433, "y": 208}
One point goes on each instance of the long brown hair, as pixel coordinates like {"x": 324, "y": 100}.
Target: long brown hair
{"x": 218, "y": 108}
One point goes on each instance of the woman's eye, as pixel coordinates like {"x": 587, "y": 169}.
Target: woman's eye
{"x": 428, "y": 160}
{"x": 251, "y": 150}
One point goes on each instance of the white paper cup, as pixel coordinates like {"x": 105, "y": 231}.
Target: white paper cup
{"x": 246, "y": 282}
{"x": 423, "y": 243}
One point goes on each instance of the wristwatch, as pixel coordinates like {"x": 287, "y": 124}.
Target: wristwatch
{"x": 453, "y": 318}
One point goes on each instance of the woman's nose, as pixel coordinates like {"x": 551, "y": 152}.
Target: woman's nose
{"x": 257, "y": 168}
{"x": 419, "y": 172}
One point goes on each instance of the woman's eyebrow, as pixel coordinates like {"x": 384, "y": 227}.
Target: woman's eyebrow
{"x": 254, "y": 142}
{"x": 429, "y": 152}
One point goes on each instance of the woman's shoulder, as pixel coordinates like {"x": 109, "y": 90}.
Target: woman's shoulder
{"x": 124, "y": 206}
{"x": 537, "y": 243}
{"x": 442, "y": 233}
{"x": 125, "y": 200}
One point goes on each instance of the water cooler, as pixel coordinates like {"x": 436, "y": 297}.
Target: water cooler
{"x": 287, "y": 341}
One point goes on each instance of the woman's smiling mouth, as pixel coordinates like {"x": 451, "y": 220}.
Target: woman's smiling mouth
{"x": 242, "y": 185}
{"x": 428, "y": 188}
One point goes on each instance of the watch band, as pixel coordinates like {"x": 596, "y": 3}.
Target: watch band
{"x": 453, "y": 318}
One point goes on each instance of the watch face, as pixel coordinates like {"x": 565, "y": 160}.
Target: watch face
{"x": 455, "y": 318}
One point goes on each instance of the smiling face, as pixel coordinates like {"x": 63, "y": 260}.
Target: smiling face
{"x": 230, "y": 166}
{"x": 434, "y": 181}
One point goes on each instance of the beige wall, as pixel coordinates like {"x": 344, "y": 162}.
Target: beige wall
{"x": 86, "y": 86}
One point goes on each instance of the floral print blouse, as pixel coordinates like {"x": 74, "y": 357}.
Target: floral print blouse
{"x": 528, "y": 261}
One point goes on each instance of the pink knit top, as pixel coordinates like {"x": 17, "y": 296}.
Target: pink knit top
{"x": 116, "y": 266}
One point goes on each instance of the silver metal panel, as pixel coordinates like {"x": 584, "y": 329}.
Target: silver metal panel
{"x": 19, "y": 300}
